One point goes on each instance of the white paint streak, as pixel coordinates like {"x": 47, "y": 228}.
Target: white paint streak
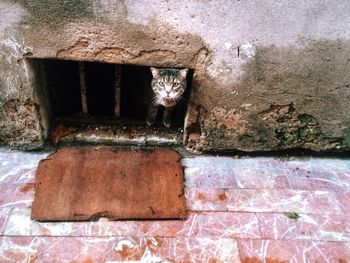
{"x": 333, "y": 236}
{"x": 149, "y": 257}
{"x": 308, "y": 219}
{"x": 192, "y": 225}
{"x": 228, "y": 45}
{"x": 248, "y": 49}
{"x": 11, "y": 43}
{"x": 20, "y": 224}
{"x": 264, "y": 247}
{"x": 125, "y": 242}
{"x": 10, "y": 15}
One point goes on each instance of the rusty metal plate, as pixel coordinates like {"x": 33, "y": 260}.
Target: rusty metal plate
{"x": 79, "y": 184}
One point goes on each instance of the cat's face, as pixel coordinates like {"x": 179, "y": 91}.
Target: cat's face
{"x": 168, "y": 85}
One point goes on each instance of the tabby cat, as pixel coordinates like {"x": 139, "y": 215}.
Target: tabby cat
{"x": 168, "y": 86}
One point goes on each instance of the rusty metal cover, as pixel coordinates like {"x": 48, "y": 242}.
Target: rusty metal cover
{"x": 76, "y": 184}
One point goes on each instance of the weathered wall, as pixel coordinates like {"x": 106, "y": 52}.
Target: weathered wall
{"x": 269, "y": 75}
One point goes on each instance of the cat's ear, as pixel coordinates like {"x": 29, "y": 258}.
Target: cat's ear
{"x": 183, "y": 73}
{"x": 155, "y": 72}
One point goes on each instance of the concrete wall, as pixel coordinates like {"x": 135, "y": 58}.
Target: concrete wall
{"x": 269, "y": 74}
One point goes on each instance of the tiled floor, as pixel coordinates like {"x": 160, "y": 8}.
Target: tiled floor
{"x": 240, "y": 211}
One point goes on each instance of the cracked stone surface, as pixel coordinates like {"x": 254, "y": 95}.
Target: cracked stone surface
{"x": 249, "y": 63}
{"x": 239, "y": 211}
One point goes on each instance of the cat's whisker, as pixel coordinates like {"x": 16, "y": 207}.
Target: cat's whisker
{"x": 159, "y": 100}
{"x": 155, "y": 100}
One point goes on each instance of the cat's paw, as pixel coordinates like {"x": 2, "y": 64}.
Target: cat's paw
{"x": 167, "y": 123}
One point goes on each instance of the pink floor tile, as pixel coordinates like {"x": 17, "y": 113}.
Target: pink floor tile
{"x": 304, "y": 179}
{"x": 4, "y": 215}
{"x": 293, "y": 251}
{"x": 14, "y": 195}
{"x": 206, "y": 199}
{"x": 20, "y": 224}
{"x": 19, "y": 175}
{"x": 25, "y": 176}
{"x": 72, "y": 250}
{"x": 210, "y": 161}
{"x": 261, "y": 178}
{"x": 6, "y": 194}
{"x": 106, "y": 228}
{"x": 344, "y": 177}
{"x": 53, "y": 249}
{"x": 344, "y": 200}
{"x": 206, "y": 224}
{"x": 23, "y": 195}
{"x": 212, "y": 224}
{"x": 225, "y": 225}
{"x": 261, "y": 200}
{"x": 236, "y": 214}
{"x": 164, "y": 228}
{"x": 18, "y": 249}
{"x": 256, "y": 163}
{"x": 18, "y": 167}
{"x": 311, "y": 227}
{"x": 206, "y": 250}
{"x": 209, "y": 172}
{"x": 209, "y": 177}
{"x": 131, "y": 249}
{"x": 264, "y": 200}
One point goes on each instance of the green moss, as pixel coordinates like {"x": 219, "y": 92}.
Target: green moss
{"x": 306, "y": 119}
{"x": 262, "y": 132}
{"x": 294, "y": 130}
{"x": 304, "y": 132}
{"x": 214, "y": 134}
{"x": 292, "y": 215}
{"x": 285, "y": 135}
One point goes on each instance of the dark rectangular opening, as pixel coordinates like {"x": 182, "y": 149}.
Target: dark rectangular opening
{"x": 104, "y": 96}
{"x": 136, "y": 83}
{"x": 62, "y": 83}
{"x": 100, "y": 88}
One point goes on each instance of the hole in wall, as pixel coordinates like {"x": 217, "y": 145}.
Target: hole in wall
{"x": 104, "y": 101}
{"x": 134, "y": 104}
{"x": 136, "y": 82}
{"x": 62, "y": 84}
{"x": 100, "y": 84}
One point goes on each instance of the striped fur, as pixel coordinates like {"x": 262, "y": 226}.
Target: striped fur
{"x": 168, "y": 86}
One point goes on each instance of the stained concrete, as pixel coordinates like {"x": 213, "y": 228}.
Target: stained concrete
{"x": 269, "y": 75}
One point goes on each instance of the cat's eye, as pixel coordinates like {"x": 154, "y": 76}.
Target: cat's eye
{"x": 175, "y": 84}
{"x": 161, "y": 84}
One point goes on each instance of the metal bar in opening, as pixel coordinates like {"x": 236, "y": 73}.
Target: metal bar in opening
{"x": 83, "y": 87}
{"x": 118, "y": 83}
